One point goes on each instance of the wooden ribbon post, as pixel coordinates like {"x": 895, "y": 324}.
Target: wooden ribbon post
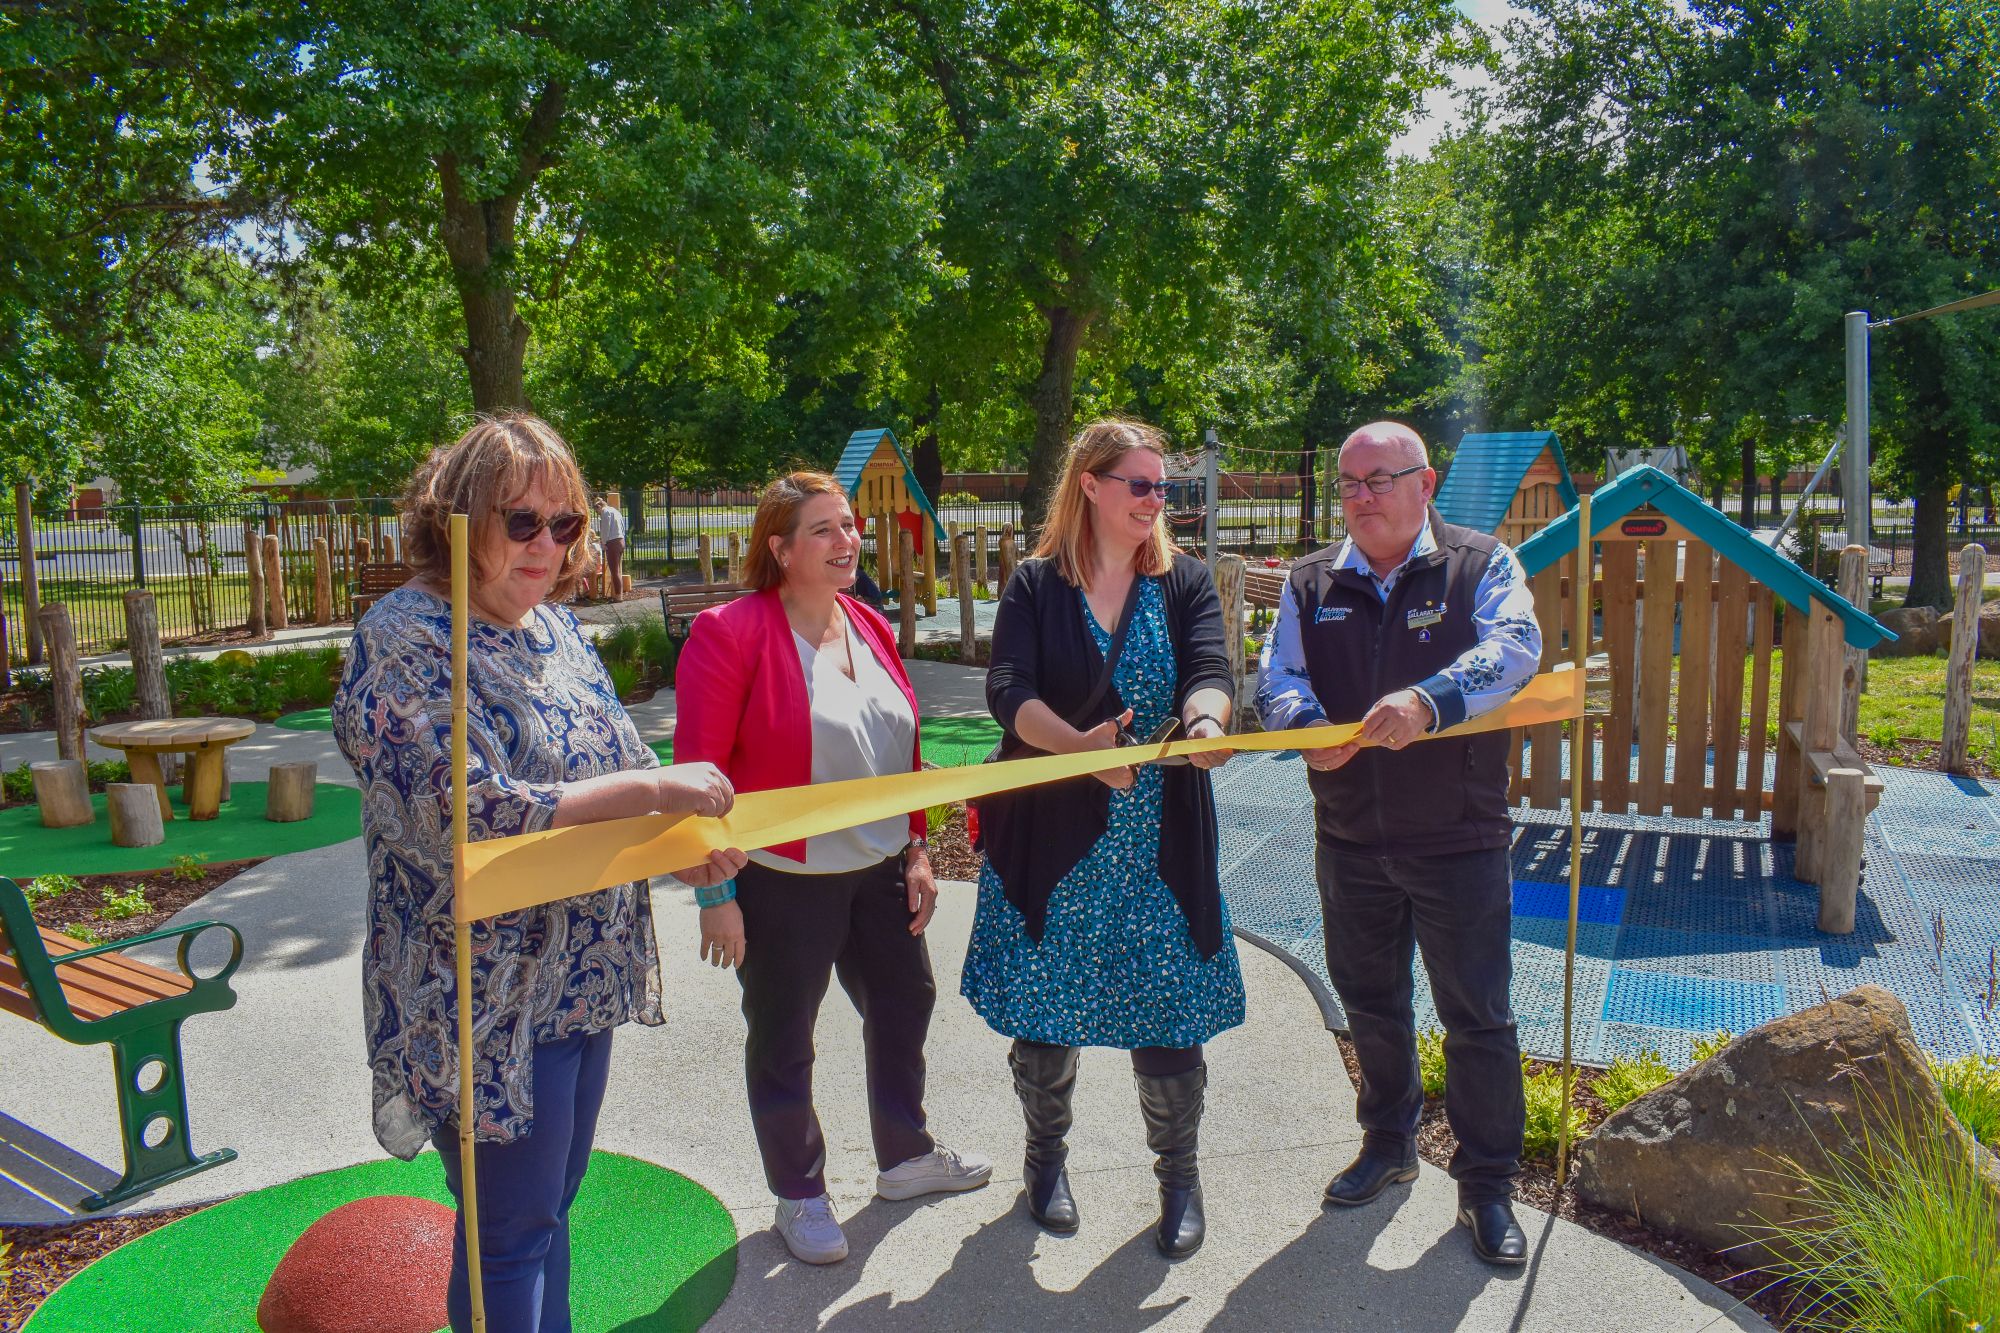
{"x": 1579, "y": 760}
{"x": 460, "y": 840}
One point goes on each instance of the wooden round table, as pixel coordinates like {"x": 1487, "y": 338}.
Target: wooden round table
{"x": 201, "y": 738}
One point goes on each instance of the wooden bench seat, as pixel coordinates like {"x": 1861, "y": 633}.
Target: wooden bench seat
{"x": 682, "y": 603}
{"x": 94, "y": 994}
{"x": 374, "y": 579}
{"x": 1264, "y": 587}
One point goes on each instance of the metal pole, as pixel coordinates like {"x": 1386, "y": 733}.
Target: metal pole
{"x": 1854, "y": 469}
{"x": 1211, "y": 455}
{"x": 461, "y": 601}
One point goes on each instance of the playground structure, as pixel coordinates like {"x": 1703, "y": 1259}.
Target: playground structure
{"x": 883, "y": 488}
{"x": 1657, "y": 588}
{"x": 1511, "y": 484}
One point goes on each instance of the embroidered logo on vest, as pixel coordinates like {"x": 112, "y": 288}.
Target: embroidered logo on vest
{"x": 1330, "y": 613}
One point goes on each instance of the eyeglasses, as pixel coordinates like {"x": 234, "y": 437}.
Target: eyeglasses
{"x": 1381, "y": 483}
{"x": 1139, "y": 486}
{"x": 524, "y": 525}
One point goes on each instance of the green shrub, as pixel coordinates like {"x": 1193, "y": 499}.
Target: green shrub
{"x": 624, "y": 677}
{"x": 83, "y": 933}
{"x": 1971, "y": 1088}
{"x": 1430, "y": 1061}
{"x": 187, "y": 866}
{"x": 656, "y": 648}
{"x": 1883, "y": 735}
{"x": 621, "y": 644}
{"x": 19, "y": 784}
{"x": 1709, "y": 1045}
{"x": 101, "y": 771}
{"x": 1631, "y": 1077}
{"x": 44, "y": 887}
{"x": 937, "y": 816}
{"x": 108, "y": 690}
{"x": 1900, "y": 1236}
{"x": 1543, "y": 1090}
{"x": 123, "y": 906}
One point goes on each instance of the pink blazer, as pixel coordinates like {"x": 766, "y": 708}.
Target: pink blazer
{"x": 740, "y": 697}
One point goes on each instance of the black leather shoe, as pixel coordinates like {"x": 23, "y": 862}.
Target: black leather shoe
{"x": 1367, "y": 1176}
{"x": 1496, "y": 1236}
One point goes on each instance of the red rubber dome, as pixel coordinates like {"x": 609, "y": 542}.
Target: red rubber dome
{"x": 372, "y": 1266}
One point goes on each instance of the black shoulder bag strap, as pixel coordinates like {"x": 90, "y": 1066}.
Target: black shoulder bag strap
{"x": 1081, "y": 718}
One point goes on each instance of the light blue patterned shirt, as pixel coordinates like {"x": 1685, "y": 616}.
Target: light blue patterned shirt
{"x": 1480, "y": 679}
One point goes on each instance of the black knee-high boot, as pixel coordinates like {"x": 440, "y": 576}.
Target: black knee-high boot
{"x": 1044, "y": 1078}
{"x": 1172, "y": 1107}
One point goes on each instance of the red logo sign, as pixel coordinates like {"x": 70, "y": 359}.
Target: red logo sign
{"x": 1644, "y": 527}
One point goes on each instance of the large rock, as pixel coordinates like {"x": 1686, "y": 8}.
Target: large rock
{"x": 1989, "y": 630}
{"x": 1916, "y": 630}
{"x": 1700, "y": 1157}
{"x": 376, "y": 1265}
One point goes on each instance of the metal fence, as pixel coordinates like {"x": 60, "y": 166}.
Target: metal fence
{"x": 191, "y": 557}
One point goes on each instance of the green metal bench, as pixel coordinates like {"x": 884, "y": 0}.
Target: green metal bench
{"x": 88, "y": 995}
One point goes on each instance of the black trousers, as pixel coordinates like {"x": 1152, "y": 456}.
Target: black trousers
{"x": 1458, "y": 908}
{"x": 798, "y": 930}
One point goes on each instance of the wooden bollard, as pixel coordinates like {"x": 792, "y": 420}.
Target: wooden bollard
{"x": 927, "y": 571}
{"x": 274, "y": 585}
{"x": 735, "y": 558}
{"x": 253, "y": 560}
{"x": 968, "y": 627}
{"x": 1952, "y": 755}
{"x": 952, "y": 534}
{"x": 65, "y": 680}
{"x": 906, "y": 605}
{"x": 62, "y": 790}
{"x": 1006, "y": 558}
{"x": 1846, "y": 815}
{"x": 979, "y": 566}
{"x": 6, "y": 663}
{"x": 135, "y": 814}
{"x": 704, "y": 554}
{"x": 149, "y": 667}
{"x": 31, "y": 596}
{"x": 1853, "y": 585}
{"x": 1229, "y": 590}
{"x": 289, "y": 797}
{"x": 322, "y": 582}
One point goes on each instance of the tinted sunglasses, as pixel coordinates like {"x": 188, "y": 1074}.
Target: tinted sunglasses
{"x": 524, "y": 525}
{"x": 1139, "y": 486}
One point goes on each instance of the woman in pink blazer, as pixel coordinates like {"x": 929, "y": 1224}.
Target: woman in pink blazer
{"x": 798, "y": 683}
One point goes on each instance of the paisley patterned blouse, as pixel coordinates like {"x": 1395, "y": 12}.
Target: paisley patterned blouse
{"x": 540, "y": 712}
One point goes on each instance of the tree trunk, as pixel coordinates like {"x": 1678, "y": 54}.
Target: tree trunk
{"x": 65, "y": 681}
{"x": 31, "y": 595}
{"x": 1054, "y": 402}
{"x": 926, "y": 457}
{"x": 1748, "y": 512}
{"x": 1308, "y": 484}
{"x": 1930, "y": 565}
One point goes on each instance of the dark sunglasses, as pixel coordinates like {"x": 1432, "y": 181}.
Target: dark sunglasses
{"x": 1139, "y": 486}
{"x": 524, "y": 525}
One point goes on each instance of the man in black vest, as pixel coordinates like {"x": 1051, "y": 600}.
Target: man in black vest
{"x": 1410, "y": 626}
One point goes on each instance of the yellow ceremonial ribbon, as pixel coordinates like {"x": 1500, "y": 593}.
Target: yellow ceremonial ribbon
{"x": 508, "y": 874}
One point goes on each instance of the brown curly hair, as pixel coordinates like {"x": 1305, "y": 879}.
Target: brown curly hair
{"x": 492, "y": 463}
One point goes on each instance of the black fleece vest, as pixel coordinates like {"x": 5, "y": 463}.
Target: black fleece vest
{"x": 1433, "y": 797}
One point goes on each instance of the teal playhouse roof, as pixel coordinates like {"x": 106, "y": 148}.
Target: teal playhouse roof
{"x": 1645, "y": 486}
{"x": 1479, "y": 485}
{"x": 861, "y": 447}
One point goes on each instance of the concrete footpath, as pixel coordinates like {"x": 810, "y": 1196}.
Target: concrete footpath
{"x": 282, "y": 1079}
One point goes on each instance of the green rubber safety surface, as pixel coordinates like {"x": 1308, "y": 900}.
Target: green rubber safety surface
{"x": 237, "y": 832}
{"x": 949, "y": 742}
{"x": 309, "y": 719}
{"x": 651, "y": 1252}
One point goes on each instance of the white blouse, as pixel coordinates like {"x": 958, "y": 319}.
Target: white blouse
{"x": 861, "y": 728}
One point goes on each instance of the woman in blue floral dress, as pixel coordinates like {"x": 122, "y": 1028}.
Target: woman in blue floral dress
{"x": 548, "y": 745}
{"x": 1100, "y": 918}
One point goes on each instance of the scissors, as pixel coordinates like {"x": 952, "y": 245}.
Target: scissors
{"x": 1161, "y": 735}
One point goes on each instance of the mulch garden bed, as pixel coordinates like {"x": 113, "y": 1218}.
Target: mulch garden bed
{"x": 166, "y": 891}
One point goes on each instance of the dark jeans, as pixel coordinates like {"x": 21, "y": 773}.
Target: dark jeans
{"x": 525, "y": 1190}
{"x": 1459, "y": 909}
{"x": 797, "y": 931}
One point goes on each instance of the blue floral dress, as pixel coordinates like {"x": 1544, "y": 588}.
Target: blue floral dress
{"x": 540, "y": 712}
{"x": 1116, "y": 965}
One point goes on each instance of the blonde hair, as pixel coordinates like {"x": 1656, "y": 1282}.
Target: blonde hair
{"x": 1066, "y": 537}
{"x": 495, "y": 461}
{"x": 778, "y": 516}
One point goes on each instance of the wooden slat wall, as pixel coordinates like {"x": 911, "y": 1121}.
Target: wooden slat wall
{"x": 1545, "y": 786}
{"x": 1620, "y": 564}
{"x": 1763, "y": 637}
{"x": 1656, "y": 664}
{"x": 1732, "y": 630}
{"x": 1691, "y": 710}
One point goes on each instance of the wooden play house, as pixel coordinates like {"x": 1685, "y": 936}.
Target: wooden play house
{"x": 1509, "y": 484}
{"x": 1673, "y": 572}
{"x": 882, "y": 487}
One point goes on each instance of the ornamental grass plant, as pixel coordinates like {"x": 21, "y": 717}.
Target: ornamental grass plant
{"x": 1971, "y": 1088}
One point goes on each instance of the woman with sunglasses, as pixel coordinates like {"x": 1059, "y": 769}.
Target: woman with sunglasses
{"x": 548, "y": 745}
{"x": 1100, "y": 918}
{"x": 797, "y": 683}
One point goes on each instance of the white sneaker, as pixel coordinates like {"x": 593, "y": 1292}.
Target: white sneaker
{"x": 810, "y": 1230}
{"x": 939, "y": 1171}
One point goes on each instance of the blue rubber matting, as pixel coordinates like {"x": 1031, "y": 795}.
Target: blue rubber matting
{"x": 1686, "y": 926}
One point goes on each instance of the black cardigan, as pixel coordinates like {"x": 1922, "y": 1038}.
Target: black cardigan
{"x": 1042, "y": 649}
